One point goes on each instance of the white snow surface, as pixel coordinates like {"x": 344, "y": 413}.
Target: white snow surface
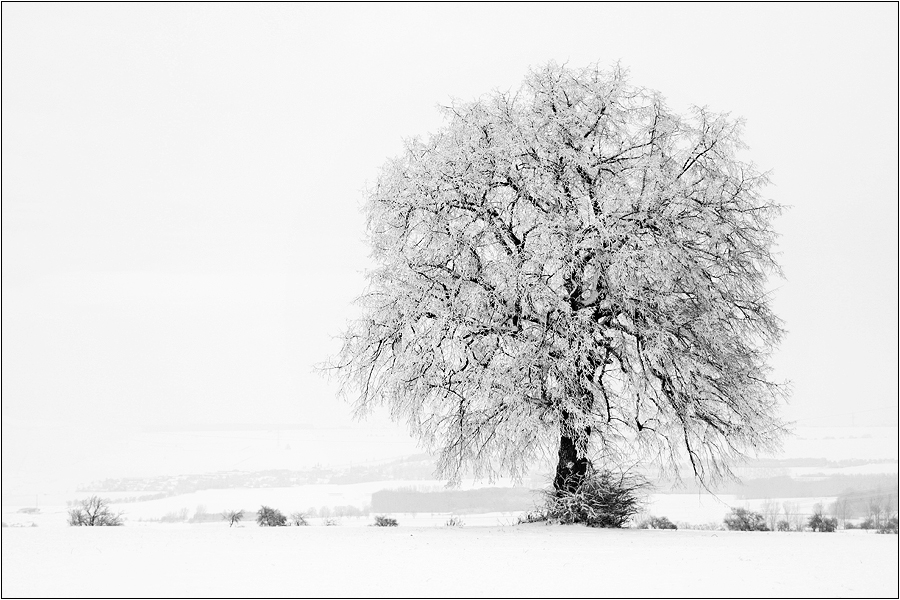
{"x": 525, "y": 561}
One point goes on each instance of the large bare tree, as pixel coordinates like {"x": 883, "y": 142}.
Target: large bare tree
{"x": 571, "y": 266}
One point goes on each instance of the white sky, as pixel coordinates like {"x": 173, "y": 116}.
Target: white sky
{"x": 181, "y": 235}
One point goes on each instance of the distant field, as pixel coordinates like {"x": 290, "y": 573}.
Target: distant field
{"x": 694, "y": 508}
{"x": 527, "y": 561}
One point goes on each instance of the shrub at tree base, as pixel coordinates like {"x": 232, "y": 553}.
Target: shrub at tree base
{"x": 270, "y": 517}
{"x": 382, "y": 521}
{"x": 601, "y": 499}
{"x": 94, "y": 512}
{"x": 742, "y": 519}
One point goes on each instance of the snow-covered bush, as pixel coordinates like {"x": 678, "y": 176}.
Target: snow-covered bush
{"x": 657, "y": 523}
{"x": 270, "y": 517}
{"x": 742, "y": 519}
{"x": 299, "y": 519}
{"x": 818, "y": 522}
{"x": 233, "y": 516}
{"x": 454, "y": 521}
{"x": 891, "y": 525}
{"x": 602, "y": 499}
{"x": 382, "y": 521}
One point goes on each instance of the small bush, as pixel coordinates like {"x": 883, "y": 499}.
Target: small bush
{"x": 602, "y": 499}
{"x": 382, "y": 521}
{"x": 233, "y": 516}
{"x": 742, "y": 519}
{"x": 532, "y": 516}
{"x": 711, "y": 526}
{"x": 299, "y": 519}
{"x": 890, "y": 525}
{"x": 331, "y": 522}
{"x": 270, "y": 517}
{"x": 784, "y": 526}
{"x": 454, "y": 521}
{"x": 657, "y": 523}
{"x": 94, "y": 512}
{"x": 818, "y": 522}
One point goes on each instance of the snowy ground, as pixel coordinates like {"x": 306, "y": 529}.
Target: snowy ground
{"x": 526, "y": 561}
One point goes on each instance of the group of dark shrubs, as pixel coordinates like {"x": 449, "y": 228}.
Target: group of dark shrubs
{"x": 890, "y": 524}
{"x": 821, "y": 523}
{"x": 272, "y": 517}
{"x": 742, "y": 519}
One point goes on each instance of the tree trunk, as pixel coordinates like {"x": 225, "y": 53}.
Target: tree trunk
{"x": 571, "y": 468}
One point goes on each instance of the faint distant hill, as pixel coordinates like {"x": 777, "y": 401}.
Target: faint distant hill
{"x": 764, "y": 478}
{"x": 419, "y": 466}
{"x": 802, "y": 486}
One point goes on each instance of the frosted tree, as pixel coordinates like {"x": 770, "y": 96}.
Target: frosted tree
{"x": 571, "y": 267}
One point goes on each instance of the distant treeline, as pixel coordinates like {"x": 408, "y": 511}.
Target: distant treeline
{"x": 876, "y": 503}
{"x": 801, "y": 487}
{"x": 458, "y": 501}
{"x": 814, "y": 462}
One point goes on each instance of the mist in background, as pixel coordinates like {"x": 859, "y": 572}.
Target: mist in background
{"x": 182, "y": 238}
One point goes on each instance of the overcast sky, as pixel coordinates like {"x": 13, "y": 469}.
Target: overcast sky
{"x": 181, "y": 235}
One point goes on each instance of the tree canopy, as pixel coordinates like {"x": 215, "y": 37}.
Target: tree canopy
{"x": 571, "y": 265}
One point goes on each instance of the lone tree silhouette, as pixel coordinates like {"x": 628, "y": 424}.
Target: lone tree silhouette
{"x": 571, "y": 266}
{"x": 94, "y": 512}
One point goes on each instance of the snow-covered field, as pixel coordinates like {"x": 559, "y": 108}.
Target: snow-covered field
{"x": 488, "y": 557}
{"x": 526, "y": 560}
